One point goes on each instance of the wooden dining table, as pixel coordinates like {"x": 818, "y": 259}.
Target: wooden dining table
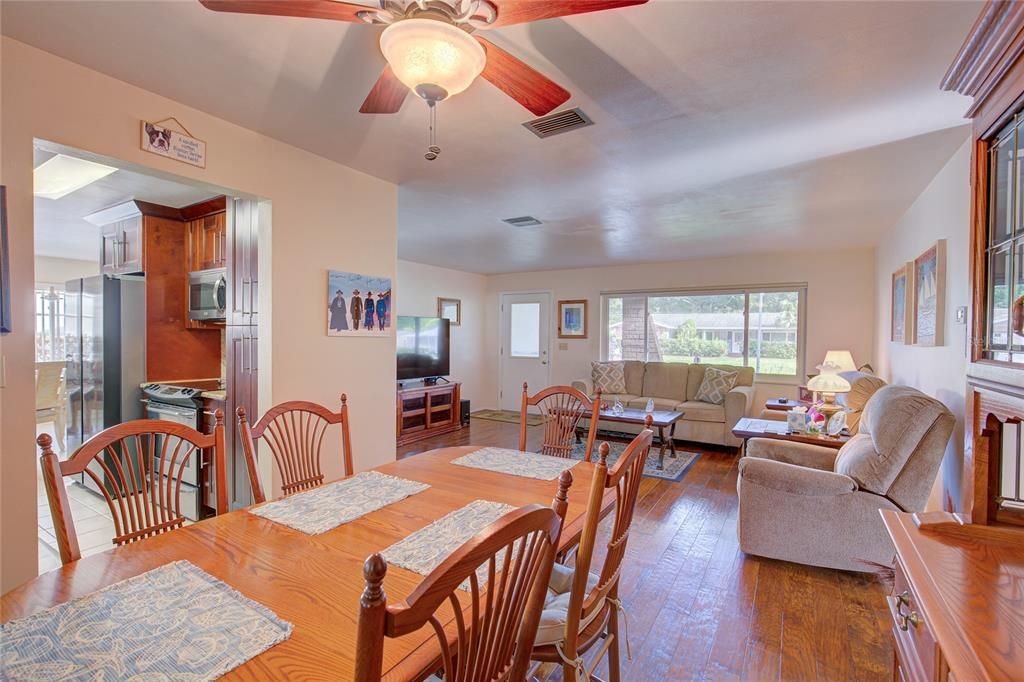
{"x": 315, "y": 581}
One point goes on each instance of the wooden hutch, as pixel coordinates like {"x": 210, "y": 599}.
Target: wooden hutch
{"x": 958, "y": 604}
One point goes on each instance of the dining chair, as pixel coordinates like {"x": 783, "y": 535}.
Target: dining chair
{"x": 561, "y": 408}
{"x": 137, "y": 467}
{"x": 294, "y": 432}
{"x": 50, "y": 398}
{"x": 488, "y": 633}
{"x": 582, "y": 608}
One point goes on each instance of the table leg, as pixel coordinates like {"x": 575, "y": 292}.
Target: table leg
{"x": 661, "y": 456}
{"x": 672, "y": 439}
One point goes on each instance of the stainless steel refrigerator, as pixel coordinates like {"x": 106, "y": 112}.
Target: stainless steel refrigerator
{"x": 105, "y": 328}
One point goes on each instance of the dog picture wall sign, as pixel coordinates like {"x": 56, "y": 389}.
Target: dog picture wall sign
{"x": 173, "y": 144}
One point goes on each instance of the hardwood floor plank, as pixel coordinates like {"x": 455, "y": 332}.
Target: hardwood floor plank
{"x": 698, "y": 608}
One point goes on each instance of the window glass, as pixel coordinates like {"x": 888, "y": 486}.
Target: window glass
{"x": 755, "y": 328}
{"x": 1002, "y": 197}
{"x": 774, "y": 321}
{"x": 999, "y": 309}
{"x": 525, "y": 330}
{"x": 1017, "y": 307}
{"x": 49, "y": 325}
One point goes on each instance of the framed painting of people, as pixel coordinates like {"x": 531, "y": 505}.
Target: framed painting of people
{"x": 358, "y": 305}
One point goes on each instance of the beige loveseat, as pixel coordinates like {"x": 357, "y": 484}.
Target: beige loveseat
{"x": 819, "y": 506}
{"x": 673, "y": 386}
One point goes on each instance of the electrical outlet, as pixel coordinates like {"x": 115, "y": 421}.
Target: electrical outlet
{"x": 563, "y": 346}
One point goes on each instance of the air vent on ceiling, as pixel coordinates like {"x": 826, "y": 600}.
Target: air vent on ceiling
{"x": 522, "y": 221}
{"x": 558, "y": 123}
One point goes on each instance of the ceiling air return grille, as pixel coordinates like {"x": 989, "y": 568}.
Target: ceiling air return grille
{"x": 558, "y": 123}
{"x": 522, "y": 221}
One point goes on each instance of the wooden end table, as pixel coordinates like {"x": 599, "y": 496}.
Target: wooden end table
{"x": 748, "y": 428}
{"x": 661, "y": 419}
{"x": 777, "y": 404}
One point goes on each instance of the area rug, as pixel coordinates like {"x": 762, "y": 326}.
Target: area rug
{"x": 508, "y": 416}
{"x": 675, "y": 467}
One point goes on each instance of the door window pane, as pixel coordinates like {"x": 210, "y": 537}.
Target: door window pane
{"x": 524, "y": 327}
{"x": 1002, "y": 197}
{"x": 999, "y": 296}
{"x": 773, "y": 321}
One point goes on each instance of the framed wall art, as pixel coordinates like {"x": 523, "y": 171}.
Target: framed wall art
{"x": 358, "y": 305}
{"x": 572, "y": 319}
{"x": 929, "y": 296}
{"x": 450, "y": 309}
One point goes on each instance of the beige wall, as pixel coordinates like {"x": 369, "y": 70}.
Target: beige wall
{"x": 942, "y": 211}
{"x": 418, "y": 289}
{"x": 51, "y": 271}
{"x": 840, "y": 302}
{"x": 325, "y": 216}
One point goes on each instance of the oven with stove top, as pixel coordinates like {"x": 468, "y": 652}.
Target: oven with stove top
{"x": 181, "y": 405}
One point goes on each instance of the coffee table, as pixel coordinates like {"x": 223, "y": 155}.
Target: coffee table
{"x": 660, "y": 419}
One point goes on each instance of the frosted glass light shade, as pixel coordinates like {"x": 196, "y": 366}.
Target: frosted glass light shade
{"x": 842, "y": 359}
{"x": 429, "y": 52}
{"x": 828, "y": 383}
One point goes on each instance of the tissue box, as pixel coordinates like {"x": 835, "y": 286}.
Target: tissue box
{"x": 796, "y": 421}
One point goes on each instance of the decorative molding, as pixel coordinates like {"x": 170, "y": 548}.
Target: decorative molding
{"x": 991, "y": 48}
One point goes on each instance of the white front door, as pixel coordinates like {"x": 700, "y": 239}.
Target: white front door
{"x": 525, "y": 323}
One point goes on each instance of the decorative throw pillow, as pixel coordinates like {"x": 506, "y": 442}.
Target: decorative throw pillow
{"x": 609, "y": 377}
{"x": 717, "y": 383}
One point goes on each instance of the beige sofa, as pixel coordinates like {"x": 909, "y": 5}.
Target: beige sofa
{"x": 819, "y": 506}
{"x": 673, "y": 386}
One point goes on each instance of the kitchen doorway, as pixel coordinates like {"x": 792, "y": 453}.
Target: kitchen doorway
{"x": 119, "y": 249}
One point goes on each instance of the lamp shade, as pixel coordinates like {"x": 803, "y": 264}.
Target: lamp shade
{"x": 843, "y": 359}
{"x": 426, "y": 52}
{"x": 828, "y": 382}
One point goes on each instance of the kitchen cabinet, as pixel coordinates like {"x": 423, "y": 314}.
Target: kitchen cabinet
{"x": 123, "y": 234}
{"x": 243, "y": 262}
{"x": 242, "y": 348}
{"x": 208, "y": 241}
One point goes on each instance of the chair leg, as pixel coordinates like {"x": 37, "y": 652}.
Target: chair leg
{"x": 613, "y": 648}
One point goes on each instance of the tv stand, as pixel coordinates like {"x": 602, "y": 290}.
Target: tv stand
{"x": 427, "y": 410}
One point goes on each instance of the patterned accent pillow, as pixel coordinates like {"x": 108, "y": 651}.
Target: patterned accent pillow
{"x": 609, "y": 377}
{"x": 717, "y": 383}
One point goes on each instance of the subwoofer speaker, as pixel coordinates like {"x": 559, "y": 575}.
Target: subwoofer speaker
{"x": 464, "y": 412}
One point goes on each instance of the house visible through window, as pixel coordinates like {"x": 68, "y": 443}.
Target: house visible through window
{"x": 49, "y": 324}
{"x": 759, "y": 328}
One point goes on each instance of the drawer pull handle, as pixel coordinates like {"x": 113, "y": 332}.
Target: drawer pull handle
{"x": 904, "y": 619}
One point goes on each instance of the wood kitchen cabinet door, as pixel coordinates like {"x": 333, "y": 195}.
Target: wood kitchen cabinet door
{"x": 242, "y": 347}
{"x": 243, "y": 262}
{"x": 109, "y": 246}
{"x": 208, "y": 242}
{"x": 121, "y": 248}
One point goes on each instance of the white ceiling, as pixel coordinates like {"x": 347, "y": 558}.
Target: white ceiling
{"x": 721, "y": 127}
{"x": 61, "y": 232}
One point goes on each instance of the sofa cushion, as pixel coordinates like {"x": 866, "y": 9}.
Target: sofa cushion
{"x": 862, "y": 387}
{"x": 716, "y": 384}
{"x": 744, "y": 377}
{"x": 666, "y": 380}
{"x": 697, "y": 411}
{"x": 634, "y": 370}
{"x": 664, "y": 404}
{"x": 608, "y": 377}
{"x": 896, "y": 420}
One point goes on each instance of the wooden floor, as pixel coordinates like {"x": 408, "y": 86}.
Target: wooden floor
{"x": 700, "y": 609}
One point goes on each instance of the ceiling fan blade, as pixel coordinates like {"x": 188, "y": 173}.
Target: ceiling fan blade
{"x": 526, "y": 85}
{"x": 521, "y": 11}
{"x": 312, "y": 9}
{"x": 386, "y": 96}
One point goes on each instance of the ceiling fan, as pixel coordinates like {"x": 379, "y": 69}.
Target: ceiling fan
{"x": 429, "y": 45}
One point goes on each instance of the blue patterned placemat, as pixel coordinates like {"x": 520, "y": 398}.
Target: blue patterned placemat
{"x": 329, "y": 506}
{"x": 424, "y": 550}
{"x": 516, "y": 463}
{"x": 174, "y": 622}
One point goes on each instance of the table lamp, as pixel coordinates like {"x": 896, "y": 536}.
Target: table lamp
{"x": 828, "y": 383}
{"x": 841, "y": 358}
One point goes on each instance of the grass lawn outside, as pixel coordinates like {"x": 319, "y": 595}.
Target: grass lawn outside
{"x": 768, "y": 365}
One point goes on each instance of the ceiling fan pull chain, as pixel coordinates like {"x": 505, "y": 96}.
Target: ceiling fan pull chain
{"x": 432, "y": 149}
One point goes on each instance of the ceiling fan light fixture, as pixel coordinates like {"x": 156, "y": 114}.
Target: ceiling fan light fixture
{"x": 432, "y": 58}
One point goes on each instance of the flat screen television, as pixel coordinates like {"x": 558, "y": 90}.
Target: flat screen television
{"x": 423, "y": 348}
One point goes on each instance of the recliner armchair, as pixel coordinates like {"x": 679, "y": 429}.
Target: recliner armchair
{"x": 815, "y": 505}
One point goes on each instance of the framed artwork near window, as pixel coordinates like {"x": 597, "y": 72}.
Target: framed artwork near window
{"x": 450, "y": 309}
{"x": 572, "y": 319}
{"x": 929, "y": 296}
{"x": 5, "y": 269}
{"x": 901, "y": 325}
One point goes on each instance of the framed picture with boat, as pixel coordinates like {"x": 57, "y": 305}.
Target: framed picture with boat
{"x": 929, "y": 296}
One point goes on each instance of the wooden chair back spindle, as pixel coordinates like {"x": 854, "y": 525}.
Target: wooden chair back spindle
{"x": 294, "y": 432}
{"x": 137, "y": 467}
{"x": 493, "y": 638}
{"x": 561, "y": 408}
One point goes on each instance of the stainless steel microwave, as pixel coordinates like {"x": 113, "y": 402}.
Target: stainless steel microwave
{"x": 207, "y": 294}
